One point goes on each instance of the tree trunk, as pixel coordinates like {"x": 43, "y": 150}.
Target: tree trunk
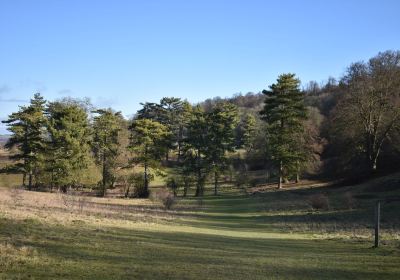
{"x": 297, "y": 173}
{"x": 374, "y": 165}
{"x": 30, "y": 180}
{"x": 215, "y": 183}
{"x": 23, "y": 179}
{"x": 104, "y": 175}
{"x": 199, "y": 187}
{"x": 280, "y": 175}
{"x": 127, "y": 192}
{"x": 267, "y": 176}
{"x": 52, "y": 181}
{"x": 199, "y": 191}
{"x": 179, "y": 151}
{"x": 146, "y": 181}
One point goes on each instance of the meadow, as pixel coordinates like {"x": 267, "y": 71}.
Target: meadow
{"x": 241, "y": 233}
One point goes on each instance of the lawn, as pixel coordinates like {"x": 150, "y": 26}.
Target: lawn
{"x": 268, "y": 235}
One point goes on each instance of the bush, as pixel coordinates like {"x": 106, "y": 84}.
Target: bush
{"x": 349, "y": 200}
{"x": 254, "y": 182}
{"x": 319, "y": 202}
{"x": 166, "y": 197}
{"x": 139, "y": 188}
{"x": 241, "y": 180}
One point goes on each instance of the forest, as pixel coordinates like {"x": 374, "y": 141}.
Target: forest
{"x": 346, "y": 129}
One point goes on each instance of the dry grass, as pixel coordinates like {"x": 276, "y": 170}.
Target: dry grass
{"x": 230, "y": 236}
{"x": 64, "y": 208}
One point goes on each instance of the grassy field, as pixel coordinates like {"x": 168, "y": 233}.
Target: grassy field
{"x": 8, "y": 180}
{"x": 240, "y": 234}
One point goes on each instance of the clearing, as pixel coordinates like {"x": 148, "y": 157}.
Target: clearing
{"x": 236, "y": 235}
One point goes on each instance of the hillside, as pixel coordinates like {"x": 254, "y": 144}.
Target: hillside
{"x": 3, "y": 139}
{"x": 241, "y": 232}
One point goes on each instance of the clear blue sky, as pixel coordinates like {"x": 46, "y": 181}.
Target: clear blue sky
{"x": 121, "y": 53}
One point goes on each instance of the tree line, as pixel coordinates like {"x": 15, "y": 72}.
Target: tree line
{"x": 345, "y": 128}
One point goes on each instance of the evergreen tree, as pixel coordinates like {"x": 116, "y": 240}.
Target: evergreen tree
{"x": 222, "y": 121}
{"x": 248, "y": 130}
{"x": 106, "y": 127}
{"x": 148, "y": 146}
{"x": 68, "y": 154}
{"x": 27, "y": 128}
{"x": 176, "y": 114}
{"x": 152, "y": 111}
{"x": 285, "y": 112}
{"x": 171, "y": 112}
{"x": 194, "y": 148}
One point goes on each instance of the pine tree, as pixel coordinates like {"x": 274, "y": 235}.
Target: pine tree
{"x": 175, "y": 114}
{"x": 68, "y": 154}
{"x": 194, "y": 148}
{"x": 285, "y": 112}
{"x": 148, "y": 146}
{"x": 249, "y": 129}
{"x": 223, "y": 120}
{"x": 106, "y": 127}
{"x": 27, "y": 128}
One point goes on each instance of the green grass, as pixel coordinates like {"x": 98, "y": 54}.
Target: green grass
{"x": 8, "y": 180}
{"x": 85, "y": 252}
{"x": 271, "y": 235}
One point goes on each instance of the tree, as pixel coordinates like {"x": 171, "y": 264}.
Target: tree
{"x": 148, "y": 146}
{"x": 152, "y": 111}
{"x": 371, "y": 103}
{"x": 222, "y": 121}
{"x": 248, "y": 131}
{"x": 194, "y": 148}
{"x": 285, "y": 112}
{"x": 175, "y": 116}
{"x": 106, "y": 127}
{"x": 171, "y": 112}
{"x": 27, "y": 128}
{"x": 68, "y": 150}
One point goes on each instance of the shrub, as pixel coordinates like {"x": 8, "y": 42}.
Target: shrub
{"x": 254, "y": 182}
{"x": 319, "y": 202}
{"x": 242, "y": 179}
{"x": 349, "y": 200}
{"x": 138, "y": 182}
{"x": 166, "y": 197}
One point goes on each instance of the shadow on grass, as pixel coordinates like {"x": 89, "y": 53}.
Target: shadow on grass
{"x": 86, "y": 252}
{"x": 289, "y": 209}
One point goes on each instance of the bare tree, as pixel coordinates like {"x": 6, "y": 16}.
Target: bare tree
{"x": 371, "y": 103}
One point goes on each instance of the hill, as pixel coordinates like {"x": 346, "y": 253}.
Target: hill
{"x": 3, "y": 139}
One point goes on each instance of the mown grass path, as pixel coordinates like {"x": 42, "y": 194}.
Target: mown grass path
{"x": 231, "y": 236}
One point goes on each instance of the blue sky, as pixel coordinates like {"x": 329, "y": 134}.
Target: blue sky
{"x": 121, "y": 53}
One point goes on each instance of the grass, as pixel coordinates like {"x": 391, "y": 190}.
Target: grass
{"x": 8, "y": 180}
{"x": 268, "y": 235}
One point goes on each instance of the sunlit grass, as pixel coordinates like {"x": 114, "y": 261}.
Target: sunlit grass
{"x": 273, "y": 235}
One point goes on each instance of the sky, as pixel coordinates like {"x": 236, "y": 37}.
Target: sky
{"x": 120, "y": 53}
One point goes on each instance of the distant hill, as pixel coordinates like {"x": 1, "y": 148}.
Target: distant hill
{"x": 3, "y": 139}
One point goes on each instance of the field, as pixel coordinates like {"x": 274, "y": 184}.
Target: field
{"x": 239, "y": 234}
{"x": 7, "y": 180}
